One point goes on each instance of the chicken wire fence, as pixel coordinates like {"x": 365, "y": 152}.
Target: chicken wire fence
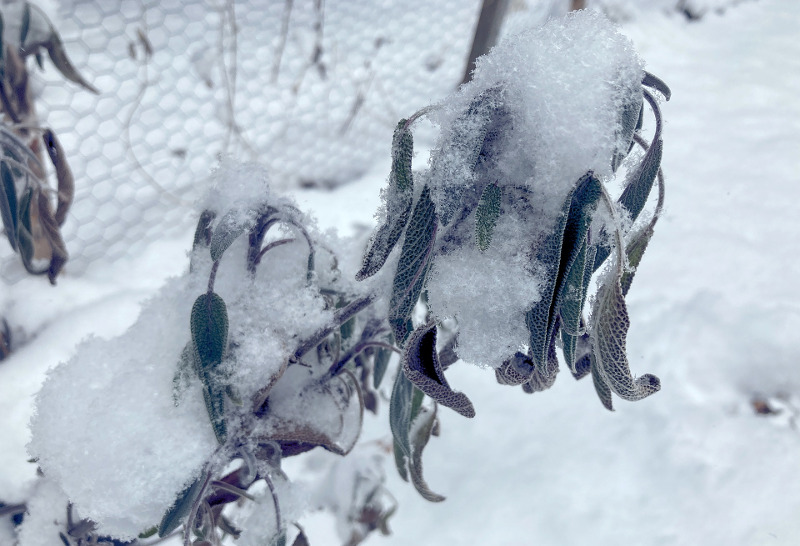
{"x": 310, "y": 88}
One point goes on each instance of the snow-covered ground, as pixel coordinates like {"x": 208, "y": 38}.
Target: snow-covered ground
{"x": 712, "y": 315}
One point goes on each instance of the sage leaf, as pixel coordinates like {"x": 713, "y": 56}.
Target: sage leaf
{"x": 413, "y": 266}
{"x": 600, "y": 385}
{"x": 229, "y": 228}
{"x": 628, "y": 120}
{"x": 8, "y": 204}
{"x": 25, "y": 241}
{"x": 214, "y": 397}
{"x": 422, "y": 434}
{"x": 182, "y": 506}
{"x": 654, "y": 82}
{"x": 25, "y": 25}
{"x": 66, "y": 182}
{"x": 55, "y": 49}
{"x": 421, "y": 366}
{"x": 543, "y": 377}
{"x": 635, "y": 250}
{"x": 399, "y": 198}
{"x": 52, "y": 234}
{"x": 486, "y": 215}
{"x": 382, "y": 358}
{"x": 182, "y": 377}
{"x": 608, "y": 341}
{"x": 209, "y": 327}
{"x": 515, "y": 371}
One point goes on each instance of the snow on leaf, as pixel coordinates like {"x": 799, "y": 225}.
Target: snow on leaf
{"x": 543, "y": 377}
{"x": 183, "y": 504}
{"x": 628, "y": 120}
{"x": 422, "y": 433}
{"x": 230, "y": 227}
{"x": 399, "y": 198}
{"x": 608, "y": 340}
{"x": 214, "y": 397}
{"x": 486, "y": 215}
{"x": 415, "y": 259}
{"x": 635, "y": 250}
{"x": 421, "y": 366}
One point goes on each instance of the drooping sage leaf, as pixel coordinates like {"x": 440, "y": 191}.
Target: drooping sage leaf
{"x": 639, "y": 182}
{"x": 382, "y": 357}
{"x": 209, "y": 327}
{"x": 25, "y": 241}
{"x": 66, "y": 182}
{"x": 600, "y": 385}
{"x": 229, "y": 228}
{"x": 421, "y": 366}
{"x": 52, "y": 234}
{"x": 399, "y": 198}
{"x": 543, "y": 377}
{"x": 635, "y": 250}
{"x": 55, "y": 49}
{"x": 202, "y": 233}
{"x": 608, "y": 335}
{"x": 486, "y": 215}
{"x": 8, "y": 204}
{"x": 413, "y": 266}
{"x": 421, "y": 436}
{"x": 515, "y": 371}
{"x": 214, "y": 397}
{"x": 182, "y": 506}
{"x": 628, "y": 120}
{"x": 404, "y": 406}
{"x": 25, "y": 25}
{"x": 654, "y": 82}
{"x": 149, "y": 532}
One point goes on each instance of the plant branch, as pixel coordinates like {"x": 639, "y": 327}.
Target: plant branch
{"x": 355, "y": 350}
{"x": 339, "y": 317}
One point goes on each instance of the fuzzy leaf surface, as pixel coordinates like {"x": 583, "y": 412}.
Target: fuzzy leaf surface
{"x": 486, "y": 215}
{"x": 399, "y": 198}
{"x": 421, "y": 366}
{"x": 209, "y": 327}
{"x": 230, "y": 227}
{"x": 421, "y": 436}
{"x": 415, "y": 259}
{"x": 183, "y": 504}
{"x": 8, "y": 204}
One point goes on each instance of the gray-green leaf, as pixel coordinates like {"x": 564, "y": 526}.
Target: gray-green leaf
{"x": 230, "y": 227}
{"x": 183, "y": 504}
{"x": 399, "y": 198}
{"x": 415, "y": 259}
{"x": 422, "y": 434}
{"x": 209, "y": 327}
{"x": 486, "y": 215}
{"x": 8, "y": 204}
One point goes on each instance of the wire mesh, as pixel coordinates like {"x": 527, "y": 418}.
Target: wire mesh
{"x": 310, "y": 88}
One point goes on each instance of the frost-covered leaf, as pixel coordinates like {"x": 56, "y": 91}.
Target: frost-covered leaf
{"x": 415, "y": 260}
{"x": 635, "y": 250}
{"x": 543, "y": 377}
{"x": 229, "y": 228}
{"x": 654, "y": 82}
{"x": 608, "y": 334}
{"x": 423, "y": 427}
{"x": 202, "y": 233}
{"x": 462, "y": 151}
{"x": 8, "y": 204}
{"x": 600, "y": 385}
{"x": 25, "y": 241}
{"x": 421, "y": 366}
{"x": 515, "y": 371}
{"x": 629, "y": 117}
{"x": 183, "y": 375}
{"x": 183, "y": 504}
{"x": 540, "y": 319}
{"x": 486, "y": 215}
{"x": 399, "y": 198}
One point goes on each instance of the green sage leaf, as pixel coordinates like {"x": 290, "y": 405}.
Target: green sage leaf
{"x": 55, "y": 49}
{"x": 413, "y": 266}
{"x": 421, "y": 366}
{"x": 25, "y": 241}
{"x": 182, "y": 506}
{"x": 209, "y": 327}
{"x": 486, "y": 215}
{"x": 382, "y": 358}
{"x": 399, "y": 198}
{"x": 25, "y": 25}
{"x": 635, "y": 250}
{"x": 600, "y": 385}
{"x": 214, "y": 397}
{"x": 229, "y": 228}
{"x": 8, "y": 204}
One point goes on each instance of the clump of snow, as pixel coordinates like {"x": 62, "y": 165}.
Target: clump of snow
{"x": 107, "y": 427}
{"x": 46, "y": 516}
{"x": 543, "y": 109}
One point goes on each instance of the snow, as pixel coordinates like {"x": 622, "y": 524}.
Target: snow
{"x": 711, "y": 311}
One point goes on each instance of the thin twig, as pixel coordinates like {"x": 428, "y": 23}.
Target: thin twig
{"x": 232, "y": 489}
{"x": 339, "y": 317}
{"x": 355, "y": 350}
{"x": 278, "y": 521}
